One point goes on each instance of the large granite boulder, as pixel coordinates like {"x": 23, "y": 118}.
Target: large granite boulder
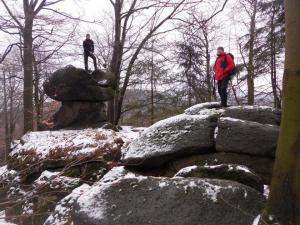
{"x": 170, "y": 138}
{"x": 238, "y": 173}
{"x": 245, "y": 137}
{"x": 131, "y": 199}
{"x": 73, "y": 84}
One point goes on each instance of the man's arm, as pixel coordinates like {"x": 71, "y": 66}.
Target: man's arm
{"x": 92, "y": 45}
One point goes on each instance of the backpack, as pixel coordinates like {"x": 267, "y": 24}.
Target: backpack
{"x": 224, "y": 64}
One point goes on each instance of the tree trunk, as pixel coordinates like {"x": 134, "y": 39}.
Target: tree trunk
{"x": 208, "y": 75}
{"x": 152, "y": 85}
{"x": 28, "y": 74}
{"x": 277, "y": 103}
{"x": 7, "y": 141}
{"x": 115, "y": 64}
{"x": 250, "y": 67}
{"x": 283, "y": 206}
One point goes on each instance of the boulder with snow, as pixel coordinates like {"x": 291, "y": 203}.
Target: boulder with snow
{"x": 246, "y": 137}
{"x": 69, "y": 150}
{"x": 170, "y": 138}
{"x": 262, "y": 166}
{"x": 131, "y": 199}
{"x": 238, "y": 173}
{"x": 197, "y": 109}
{"x": 259, "y": 114}
{"x": 62, "y": 214}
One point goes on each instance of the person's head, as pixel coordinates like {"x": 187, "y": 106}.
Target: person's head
{"x": 220, "y": 50}
{"x": 88, "y": 36}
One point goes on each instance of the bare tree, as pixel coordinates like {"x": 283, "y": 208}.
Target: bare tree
{"x": 24, "y": 25}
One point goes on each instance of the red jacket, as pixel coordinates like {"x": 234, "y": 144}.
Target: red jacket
{"x": 220, "y": 72}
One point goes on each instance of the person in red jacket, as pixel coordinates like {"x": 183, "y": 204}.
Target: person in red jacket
{"x": 223, "y": 67}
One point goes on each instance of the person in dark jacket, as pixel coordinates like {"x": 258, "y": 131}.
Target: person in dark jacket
{"x": 88, "y": 47}
{"x": 223, "y": 67}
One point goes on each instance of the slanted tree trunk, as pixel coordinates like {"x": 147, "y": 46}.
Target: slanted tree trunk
{"x": 283, "y": 206}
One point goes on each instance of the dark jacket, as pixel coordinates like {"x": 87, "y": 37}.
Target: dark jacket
{"x": 221, "y": 72}
{"x": 88, "y": 45}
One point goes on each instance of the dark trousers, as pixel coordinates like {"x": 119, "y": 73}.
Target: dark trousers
{"x": 222, "y": 89}
{"x": 86, "y": 59}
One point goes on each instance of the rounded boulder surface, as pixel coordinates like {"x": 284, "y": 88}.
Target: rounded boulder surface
{"x": 170, "y": 138}
{"x": 73, "y": 84}
{"x": 238, "y": 173}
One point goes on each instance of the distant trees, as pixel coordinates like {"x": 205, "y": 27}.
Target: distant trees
{"x": 283, "y": 206}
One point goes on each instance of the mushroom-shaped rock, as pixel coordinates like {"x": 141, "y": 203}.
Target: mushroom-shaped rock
{"x": 73, "y": 84}
{"x": 171, "y": 138}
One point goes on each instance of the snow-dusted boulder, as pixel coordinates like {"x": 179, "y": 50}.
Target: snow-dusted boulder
{"x": 262, "y": 166}
{"x": 38, "y": 151}
{"x": 245, "y": 137}
{"x": 196, "y": 109}
{"x": 237, "y": 173}
{"x": 62, "y": 214}
{"x": 170, "y": 138}
{"x": 129, "y": 199}
{"x": 259, "y": 114}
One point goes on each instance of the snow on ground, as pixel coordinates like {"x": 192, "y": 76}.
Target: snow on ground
{"x": 256, "y": 220}
{"x": 130, "y": 133}
{"x": 2, "y": 220}
{"x": 66, "y": 143}
{"x": 7, "y": 175}
{"x": 195, "y": 109}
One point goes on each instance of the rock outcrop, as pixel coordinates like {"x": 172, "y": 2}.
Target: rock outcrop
{"x": 82, "y": 96}
{"x": 245, "y": 134}
{"x": 206, "y": 166}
